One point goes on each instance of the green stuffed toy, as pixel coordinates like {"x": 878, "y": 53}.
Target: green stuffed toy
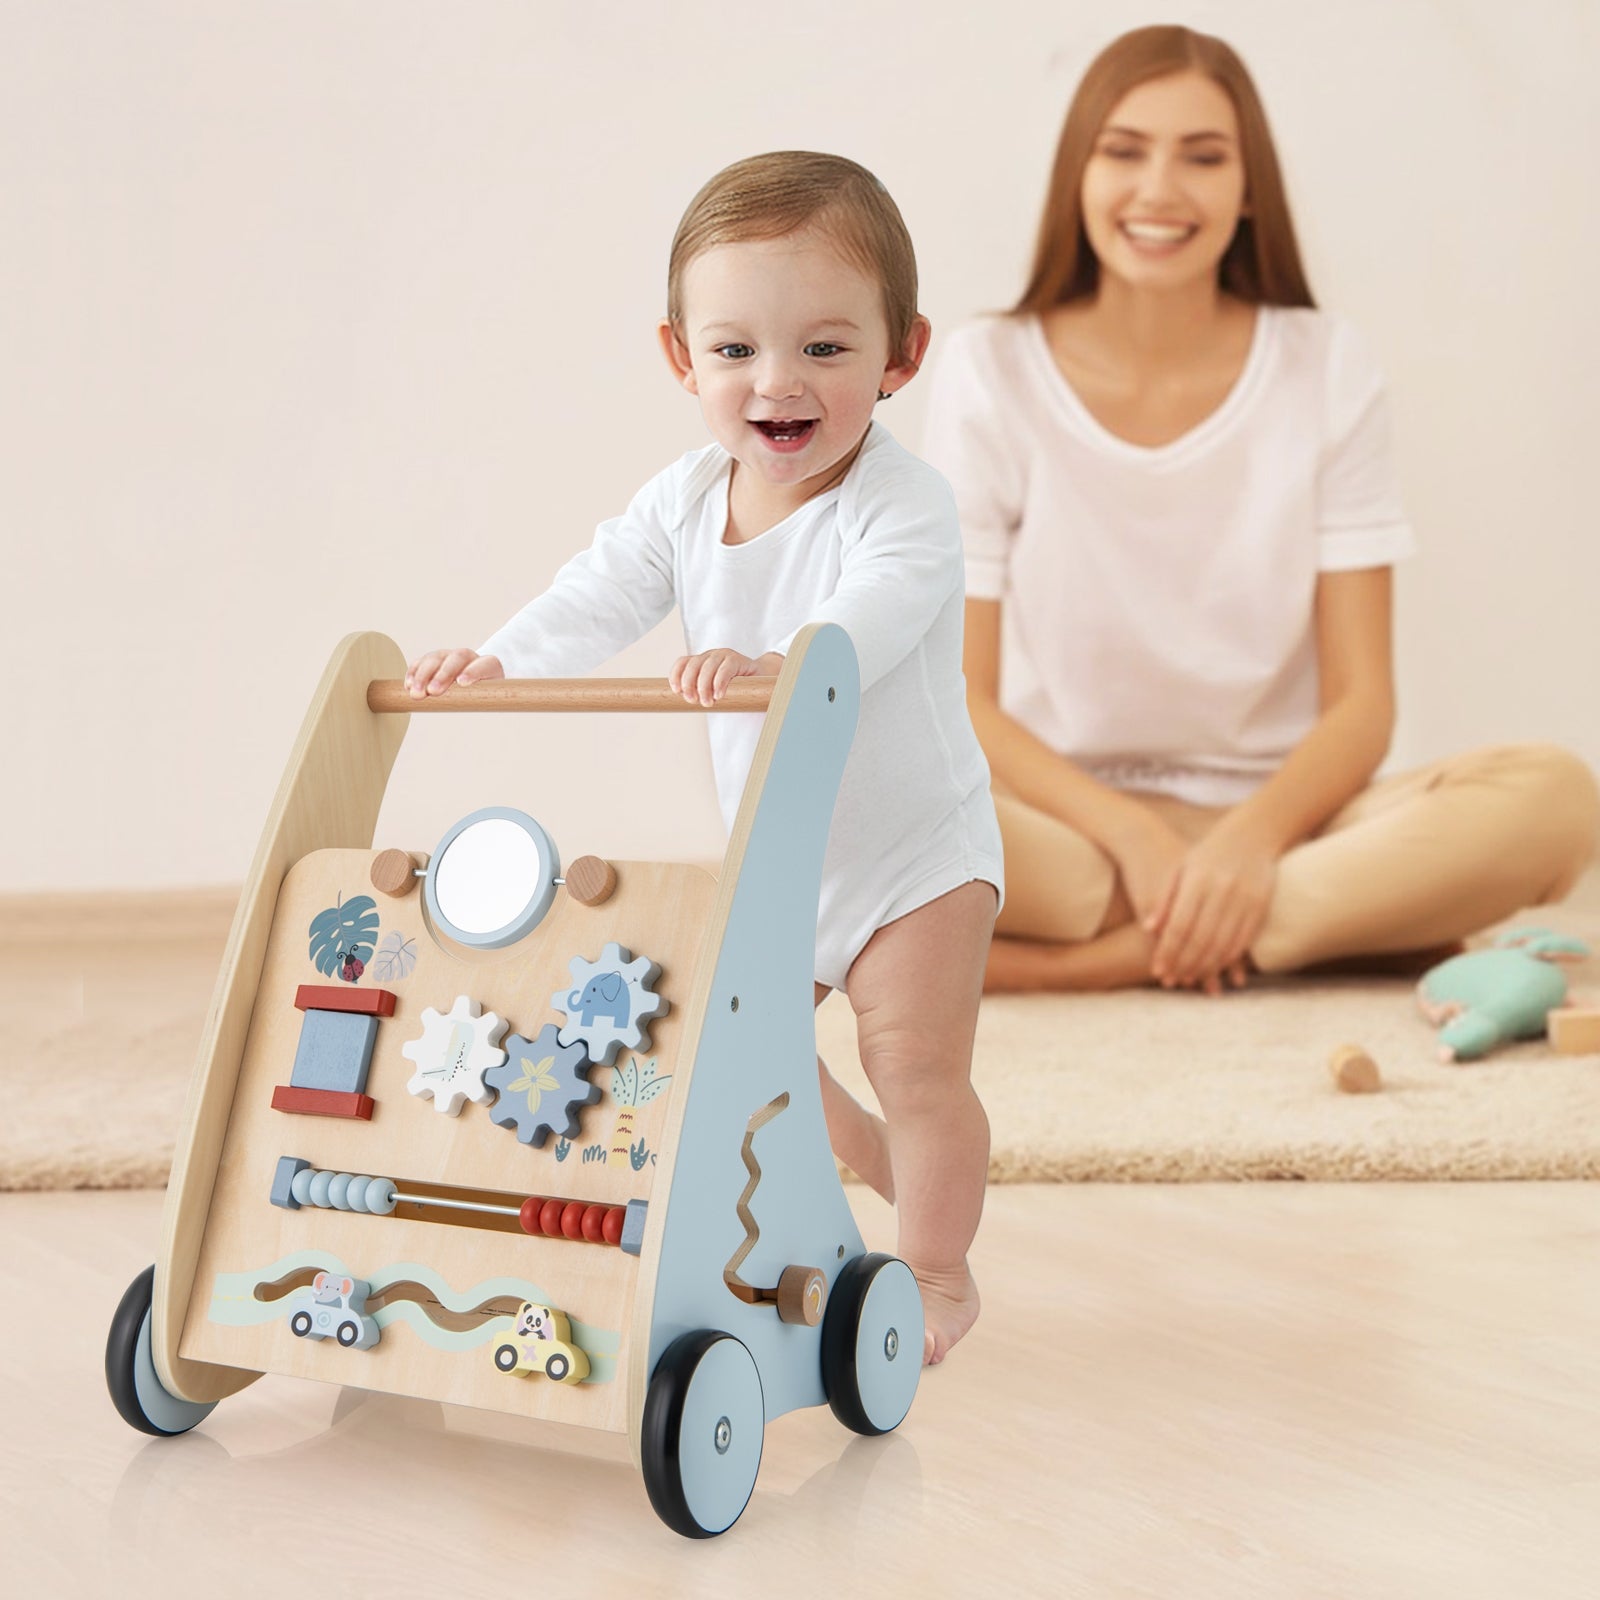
{"x": 1487, "y": 997}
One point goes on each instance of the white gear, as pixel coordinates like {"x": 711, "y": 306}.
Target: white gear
{"x": 609, "y": 1003}
{"x": 452, "y": 1054}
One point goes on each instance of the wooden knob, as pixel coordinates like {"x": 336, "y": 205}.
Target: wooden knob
{"x": 1354, "y": 1071}
{"x": 590, "y": 881}
{"x": 394, "y": 873}
{"x": 801, "y": 1291}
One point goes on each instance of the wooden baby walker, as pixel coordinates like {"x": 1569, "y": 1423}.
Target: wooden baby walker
{"x": 470, "y": 1128}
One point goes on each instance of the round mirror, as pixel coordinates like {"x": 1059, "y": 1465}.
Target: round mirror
{"x": 492, "y": 878}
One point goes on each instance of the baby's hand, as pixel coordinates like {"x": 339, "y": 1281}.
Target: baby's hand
{"x": 436, "y": 671}
{"x": 704, "y": 679}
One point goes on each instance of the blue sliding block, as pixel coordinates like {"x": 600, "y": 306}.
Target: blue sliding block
{"x": 335, "y": 1051}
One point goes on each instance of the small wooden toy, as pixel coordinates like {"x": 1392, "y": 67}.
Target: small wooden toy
{"x": 541, "y": 1341}
{"x": 1488, "y": 997}
{"x": 1575, "y": 1030}
{"x": 335, "y": 1309}
{"x": 684, "y": 1241}
{"x": 1354, "y": 1071}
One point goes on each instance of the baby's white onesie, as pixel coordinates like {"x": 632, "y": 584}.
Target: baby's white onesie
{"x": 881, "y": 556}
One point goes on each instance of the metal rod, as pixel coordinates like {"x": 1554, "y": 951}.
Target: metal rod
{"x": 458, "y": 1205}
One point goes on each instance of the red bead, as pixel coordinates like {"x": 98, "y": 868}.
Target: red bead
{"x": 572, "y": 1219}
{"x": 528, "y": 1215}
{"x": 593, "y": 1219}
{"x": 550, "y": 1218}
{"x": 611, "y": 1228}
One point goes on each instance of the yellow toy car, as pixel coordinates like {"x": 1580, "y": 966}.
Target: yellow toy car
{"x": 541, "y": 1341}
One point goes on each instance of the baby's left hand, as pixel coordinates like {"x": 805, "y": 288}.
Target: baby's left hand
{"x": 704, "y": 679}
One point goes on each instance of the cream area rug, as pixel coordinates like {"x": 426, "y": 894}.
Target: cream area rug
{"x": 102, "y": 1000}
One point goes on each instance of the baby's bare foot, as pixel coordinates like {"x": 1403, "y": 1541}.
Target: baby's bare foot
{"x": 949, "y": 1308}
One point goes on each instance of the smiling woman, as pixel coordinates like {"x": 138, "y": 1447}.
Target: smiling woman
{"x": 1180, "y": 513}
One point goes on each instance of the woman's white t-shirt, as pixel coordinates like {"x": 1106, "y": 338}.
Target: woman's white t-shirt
{"x": 1157, "y": 603}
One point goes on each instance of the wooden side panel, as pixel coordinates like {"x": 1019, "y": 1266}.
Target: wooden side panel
{"x": 330, "y": 794}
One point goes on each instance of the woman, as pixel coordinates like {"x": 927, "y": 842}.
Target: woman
{"x": 1181, "y": 516}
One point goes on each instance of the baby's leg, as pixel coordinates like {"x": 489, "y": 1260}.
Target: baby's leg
{"x": 859, "y": 1138}
{"x": 915, "y": 989}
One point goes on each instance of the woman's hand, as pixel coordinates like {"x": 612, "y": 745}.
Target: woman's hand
{"x": 1214, "y": 907}
{"x": 704, "y": 679}
{"x": 438, "y": 669}
{"x": 1149, "y": 855}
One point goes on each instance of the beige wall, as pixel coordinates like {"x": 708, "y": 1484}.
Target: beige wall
{"x": 337, "y": 316}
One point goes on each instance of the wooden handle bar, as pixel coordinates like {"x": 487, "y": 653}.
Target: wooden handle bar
{"x": 566, "y": 694}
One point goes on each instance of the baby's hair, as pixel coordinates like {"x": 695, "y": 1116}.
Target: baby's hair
{"x": 791, "y": 191}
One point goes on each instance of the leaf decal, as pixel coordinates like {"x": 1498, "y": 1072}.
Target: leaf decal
{"x": 396, "y": 958}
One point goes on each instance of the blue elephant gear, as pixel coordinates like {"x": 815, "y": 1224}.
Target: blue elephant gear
{"x": 609, "y": 1003}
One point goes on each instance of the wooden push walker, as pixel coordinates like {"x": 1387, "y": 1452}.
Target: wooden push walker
{"x": 545, "y": 1144}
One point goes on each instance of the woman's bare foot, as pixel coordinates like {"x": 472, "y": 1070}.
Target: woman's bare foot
{"x": 860, "y": 1138}
{"x": 949, "y": 1308}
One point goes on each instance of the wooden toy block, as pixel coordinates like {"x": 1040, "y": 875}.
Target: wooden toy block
{"x": 591, "y": 881}
{"x": 334, "y": 1052}
{"x": 394, "y": 873}
{"x": 322, "y": 1103}
{"x": 1354, "y": 1071}
{"x": 328, "y": 997}
{"x": 1575, "y": 1030}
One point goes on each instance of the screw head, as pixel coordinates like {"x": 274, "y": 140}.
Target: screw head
{"x": 891, "y": 1343}
{"x": 723, "y": 1436}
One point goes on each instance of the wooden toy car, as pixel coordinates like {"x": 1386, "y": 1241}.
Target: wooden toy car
{"x": 438, "y": 1096}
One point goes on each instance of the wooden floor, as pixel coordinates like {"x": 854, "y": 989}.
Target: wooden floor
{"x": 1286, "y": 1391}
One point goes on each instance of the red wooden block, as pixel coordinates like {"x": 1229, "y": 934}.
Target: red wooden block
{"x": 321, "y": 1102}
{"x": 324, "y": 997}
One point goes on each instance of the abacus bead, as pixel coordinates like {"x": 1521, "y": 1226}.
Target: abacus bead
{"x": 355, "y": 1195}
{"x": 550, "y": 1218}
{"x": 380, "y": 1196}
{"x": 301, "y": 1187}
{"x": 320, "y": 1185}
{"x": 611, "y": 1228}
{"x": 338, "y": 1188}
{"x": 572, "y": 1219}
{"x": 593, "y": 1219}
{"x": 528, "y": 1214}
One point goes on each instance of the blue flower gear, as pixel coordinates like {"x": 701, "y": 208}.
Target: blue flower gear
{"x": 541, "y": 1086}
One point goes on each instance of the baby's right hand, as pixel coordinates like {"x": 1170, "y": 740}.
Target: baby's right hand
{"x": 436, "y": 671}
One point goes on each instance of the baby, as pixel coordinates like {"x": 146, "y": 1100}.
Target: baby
{"x": 791, "y": 311}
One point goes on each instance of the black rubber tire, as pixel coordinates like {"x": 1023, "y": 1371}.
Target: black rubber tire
{"x": 660, "y": 1432}
{"x": 122, "y": 1344}
{"x": 840, "y": 1326}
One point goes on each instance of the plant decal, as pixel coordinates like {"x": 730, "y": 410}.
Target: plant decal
{"x": 563, "y": 1148}
{"x": 631, "y": 1087}
{"x": 396, "y": 957}
{"x": 342, "y": 937}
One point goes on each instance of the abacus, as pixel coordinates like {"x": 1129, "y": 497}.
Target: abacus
{"x": 616, "y": 1209}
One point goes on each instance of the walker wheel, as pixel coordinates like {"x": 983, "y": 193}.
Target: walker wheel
{"x": 872, "y": 1343}
{"x": 137, "y": 1393}
{"x": 700, "y": 1444}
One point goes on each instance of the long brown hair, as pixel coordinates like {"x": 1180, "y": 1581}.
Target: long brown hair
{"x": 1261, "y": 263}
